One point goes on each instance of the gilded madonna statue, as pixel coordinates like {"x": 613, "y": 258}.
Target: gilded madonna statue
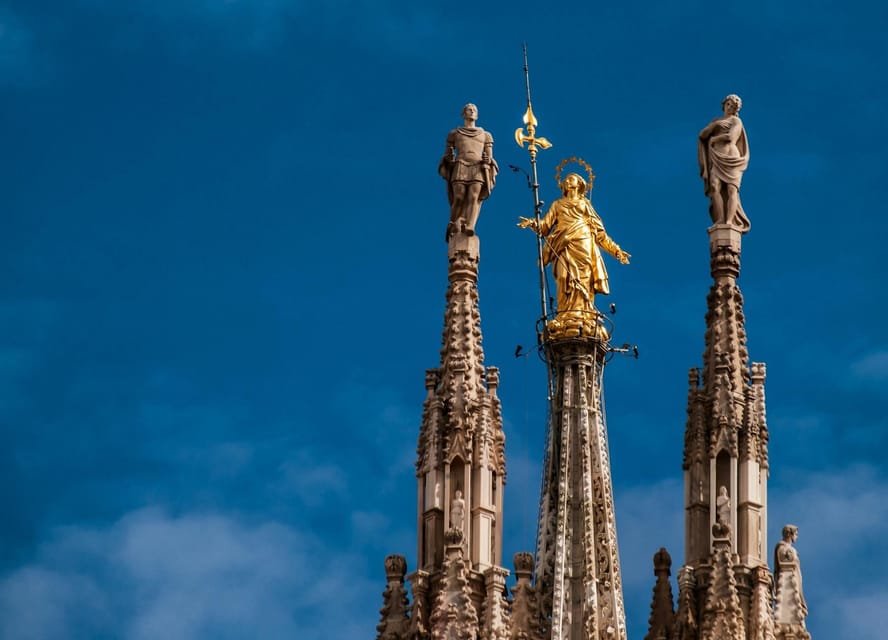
{"x": 574, "y": 236}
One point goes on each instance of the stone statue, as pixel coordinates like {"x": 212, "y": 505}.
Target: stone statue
{"x": 457, "y": 510}
{"x": 470, "y": 171}
{"x": 574, "y": 236}
{"x": 723, "y": 506}
{"x": 723, "y": 154}
{"x": 790, "y": 607}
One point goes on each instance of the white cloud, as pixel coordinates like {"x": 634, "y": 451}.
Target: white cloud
{"x": 314, "y": 483}
{"x": 864, "y": 617}
{"x": 152, "y": 575}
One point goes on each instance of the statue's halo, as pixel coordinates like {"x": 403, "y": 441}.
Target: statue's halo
{"x": 582, "y": 163}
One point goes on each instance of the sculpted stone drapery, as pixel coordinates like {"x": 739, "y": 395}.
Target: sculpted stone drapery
{"x": 723, "y": 506}
{"x": 723, "y": 154}
{"x": 470, "y": 171}
{"x": 574, "y": 236}
{"x": 791, "y": 607}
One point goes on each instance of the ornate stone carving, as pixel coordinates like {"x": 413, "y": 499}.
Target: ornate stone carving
{"x": 454, "y": 616}
{"x": 761, "y": 617}
{"x": 394, "y": 624}
{"x": 419, "y": 614}
{"x": 661, "y": 624}
{"x": 495, "y": 624}
{"x": 470, "y": 171}
{"x": 686, "y": 616}
{"x": 525, "y": 621}
{"x": 722, "y": 617}
{"x": 578, "y": 571}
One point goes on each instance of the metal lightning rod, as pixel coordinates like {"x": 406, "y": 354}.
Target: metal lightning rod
{"x": 533, "y": 144}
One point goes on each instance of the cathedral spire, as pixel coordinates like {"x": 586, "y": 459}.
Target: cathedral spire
{"x": 725, "y": 454}
{"x": 459, "y": 588}
{"x": 461, "y": 453}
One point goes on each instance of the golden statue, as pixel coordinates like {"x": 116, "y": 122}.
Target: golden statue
{"x": 574, "y": 236}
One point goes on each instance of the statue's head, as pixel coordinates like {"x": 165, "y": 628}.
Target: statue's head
{"x": 790, "y": 533}
{"x": 573, "y": 183}
{"x": 470, "y": 111}
{"x": 732, "y": 103}
{"x": 723, "y": 491}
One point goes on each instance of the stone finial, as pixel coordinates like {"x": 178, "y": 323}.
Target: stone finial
{"x": 693, "y": 377}
{"x": 662, "y": 562}
{"x": 661, "y": 624}
{"x": 394, "y": 622}
{"x": 395, "y": 567}
{"x": 758, "y": 372}
{"x": 431, "y": 379}
{"x": 493, "y": 376}
{"x": 523, "y": 561}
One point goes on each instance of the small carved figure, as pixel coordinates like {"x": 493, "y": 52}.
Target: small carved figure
{"x": 723, "y": 506}
{"x": 723, "y": 154}
{"x": 574, "y": 236}
{"x": 457, "y": 510}
{"x": 470, "y": 171}
{"x": 791, "y": 607}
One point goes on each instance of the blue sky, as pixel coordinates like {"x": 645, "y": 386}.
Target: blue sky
{"x": 223, "y": 278}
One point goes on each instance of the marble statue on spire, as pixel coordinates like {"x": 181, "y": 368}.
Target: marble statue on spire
{"x": 470, "y": 171}
{"x": 790, "y": 608}
{"x": 723, "y": 154}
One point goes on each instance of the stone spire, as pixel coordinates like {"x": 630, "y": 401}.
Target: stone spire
{"x": 726, "y": 439}
{"x": 394, "y": 623}
{"x": 459, "y": 588}
{"x": 662, "y": 621}
{"x": 725, "y": 586}
{"x": 578, "y": 566}
{"x": 461, "y": 453}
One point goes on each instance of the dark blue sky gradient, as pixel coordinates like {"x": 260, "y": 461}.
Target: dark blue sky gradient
{"x": 222, "y": 277}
